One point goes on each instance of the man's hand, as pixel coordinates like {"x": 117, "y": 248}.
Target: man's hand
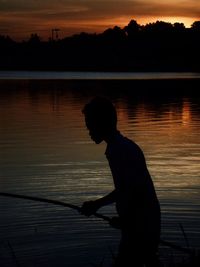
{"x": 89, "y": 208}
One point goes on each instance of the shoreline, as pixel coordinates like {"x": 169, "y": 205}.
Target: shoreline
{"x": 96, "y": 75}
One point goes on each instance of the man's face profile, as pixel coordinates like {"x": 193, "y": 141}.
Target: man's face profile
{"x": 95, "y": 130}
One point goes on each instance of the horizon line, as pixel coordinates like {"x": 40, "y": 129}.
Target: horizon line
{"x": 18, "y": 39}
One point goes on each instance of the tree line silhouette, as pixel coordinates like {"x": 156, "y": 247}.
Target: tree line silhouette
{"x": 158, "y": 46}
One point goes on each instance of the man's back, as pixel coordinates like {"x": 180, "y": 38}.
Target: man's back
{"x": 136, "y": 199}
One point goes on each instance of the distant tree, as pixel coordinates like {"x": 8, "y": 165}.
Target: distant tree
{"x": 34, "y": 39}
{"x": 5, "y": 39}
{"x": 179, "y": 27}
{"x": 158, "y": 27}
{"x": 196, "y": 26}
{"x": 6, "y": 43}
{"x": 132, "y": 28}
{"x": 114, "y": 34}
{"x": 82, "y": 37}
{"x": 159, "y": 45}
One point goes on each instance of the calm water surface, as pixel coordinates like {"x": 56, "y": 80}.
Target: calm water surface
{"x": 45, "y": 151}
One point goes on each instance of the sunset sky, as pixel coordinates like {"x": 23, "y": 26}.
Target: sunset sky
{"x": 20, "y": 18}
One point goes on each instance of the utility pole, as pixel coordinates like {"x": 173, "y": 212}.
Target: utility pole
{"x": 52, "y": 34}
{"x": 56, "y": 30}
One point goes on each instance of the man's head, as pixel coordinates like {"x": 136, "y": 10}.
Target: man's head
{"x": 100, "y": 118}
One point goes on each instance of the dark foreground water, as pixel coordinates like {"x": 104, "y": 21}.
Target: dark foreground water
{"x": 45, "y": 151}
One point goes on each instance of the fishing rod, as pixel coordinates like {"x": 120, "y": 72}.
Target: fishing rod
{"x": 55, "y": 202}
{"x": 98, "y": 215}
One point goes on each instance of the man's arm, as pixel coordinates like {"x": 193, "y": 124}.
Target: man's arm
{"x": 106, "y": 200}
{"x": 90, "y": 207}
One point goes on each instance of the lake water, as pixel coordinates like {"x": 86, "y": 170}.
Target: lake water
{"x": 45, "y": 151}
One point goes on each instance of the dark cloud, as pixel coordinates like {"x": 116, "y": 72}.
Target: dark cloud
{"x": 87, "y": 14}
{"x": 102, "y": 8}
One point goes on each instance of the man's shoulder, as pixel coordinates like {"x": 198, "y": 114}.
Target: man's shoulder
{"x": 126, "y": 142}
{"x": 123, "y": 145}
{"x": 131, "y": 146}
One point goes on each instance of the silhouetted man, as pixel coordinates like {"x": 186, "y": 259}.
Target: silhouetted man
{"x": 134, "y": 194}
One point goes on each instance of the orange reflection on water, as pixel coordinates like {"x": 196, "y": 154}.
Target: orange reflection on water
{"x": 160, "y": 120}
{"x": 186, "y": 113}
